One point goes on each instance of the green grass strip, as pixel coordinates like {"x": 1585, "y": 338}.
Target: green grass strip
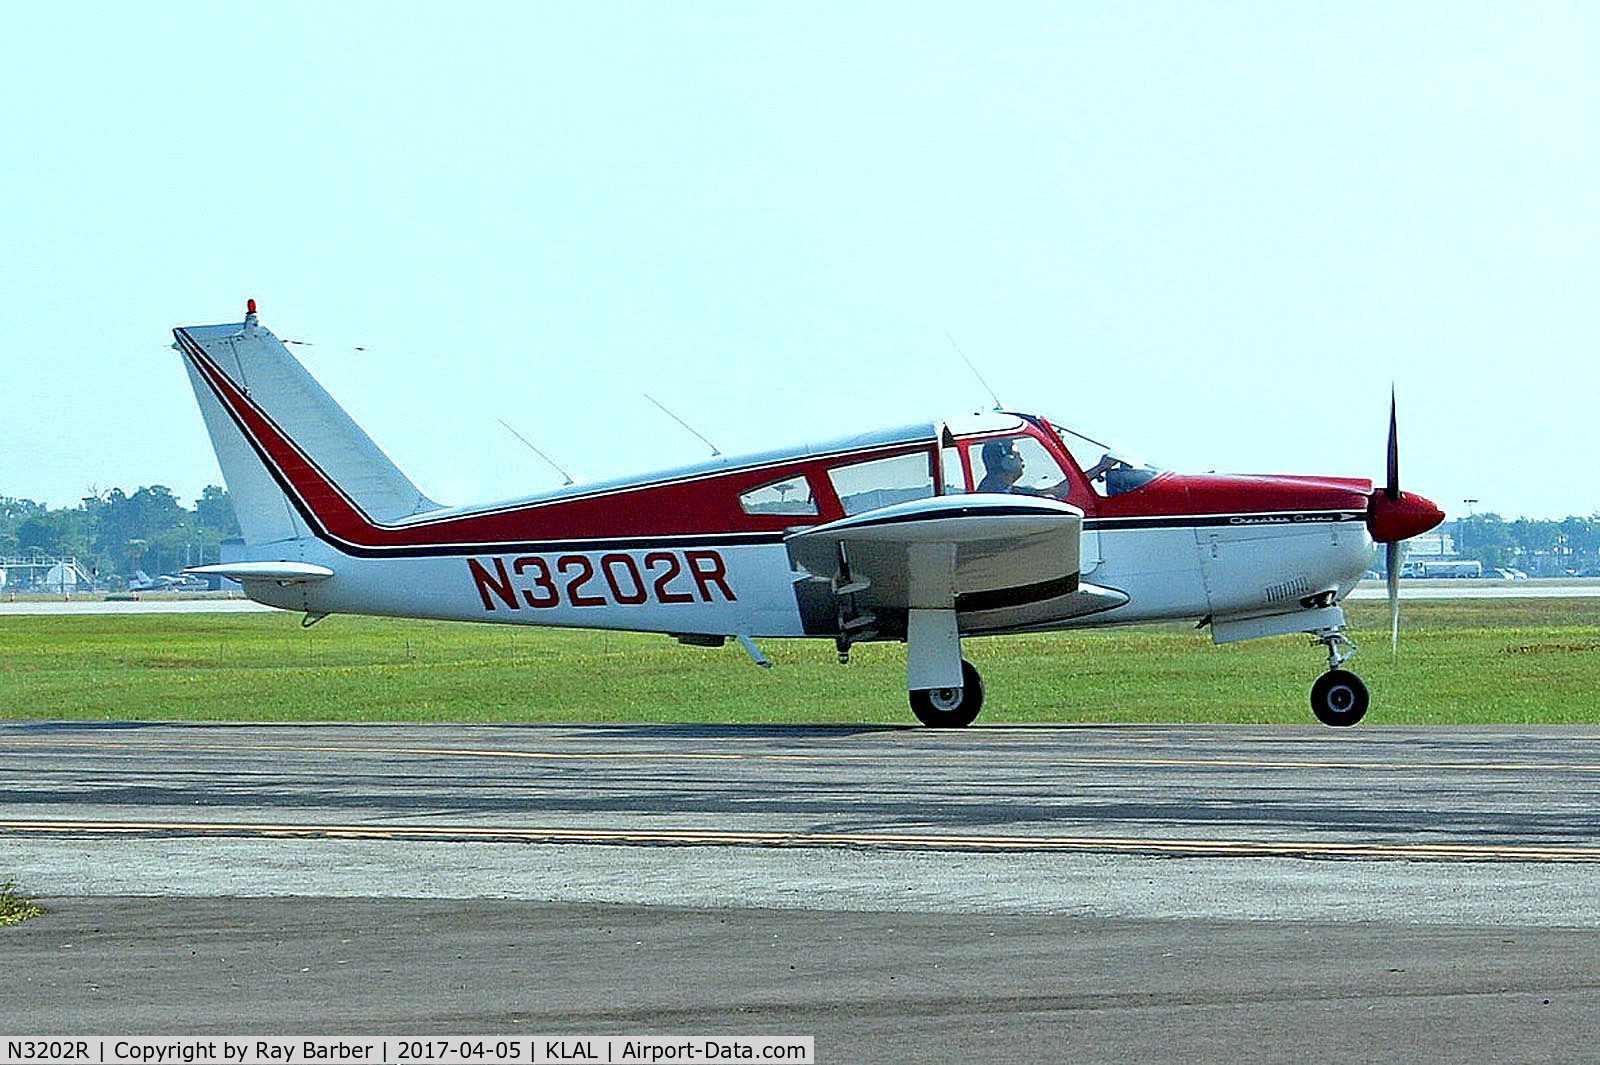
{"x": 1460, "y": 662}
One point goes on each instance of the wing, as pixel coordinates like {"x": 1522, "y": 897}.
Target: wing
{"x": 998, "y": 561}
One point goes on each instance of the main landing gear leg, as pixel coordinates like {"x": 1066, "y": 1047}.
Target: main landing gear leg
{"x": 945, "y": 691}
{"x": 1339, "y": 697}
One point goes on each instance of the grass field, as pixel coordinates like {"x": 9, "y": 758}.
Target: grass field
{"x": 1513, "y": 661}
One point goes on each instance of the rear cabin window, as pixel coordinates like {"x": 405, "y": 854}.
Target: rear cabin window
{"x": 864, "y": 486}
{"x": 791, "y": 496}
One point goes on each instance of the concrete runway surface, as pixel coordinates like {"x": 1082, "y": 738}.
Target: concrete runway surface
{"x": 992, "y": 894}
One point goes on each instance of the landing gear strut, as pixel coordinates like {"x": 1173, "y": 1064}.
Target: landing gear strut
{"x": 950, "y": 707}
{"x": 1339, "y": 697}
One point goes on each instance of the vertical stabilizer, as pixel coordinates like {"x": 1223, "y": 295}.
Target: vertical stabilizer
{"x": 276, "y": 429}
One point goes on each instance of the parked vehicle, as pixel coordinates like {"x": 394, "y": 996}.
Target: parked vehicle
{"x": 1442, "y": 567}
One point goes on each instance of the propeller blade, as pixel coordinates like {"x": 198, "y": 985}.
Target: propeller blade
{"x": 1391, "y": 557}
{"x": 1392, "y": 549}
{"x": 1392, "y": 489}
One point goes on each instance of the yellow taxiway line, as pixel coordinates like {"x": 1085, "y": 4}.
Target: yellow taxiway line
{"x": 1234, "y": 848}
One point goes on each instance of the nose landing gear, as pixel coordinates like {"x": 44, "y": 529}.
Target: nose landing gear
{"x": 1339, "y": 697}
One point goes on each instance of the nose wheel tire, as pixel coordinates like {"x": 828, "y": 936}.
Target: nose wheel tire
{"x": 1339, "y": 698}
{"x": 950, "y": 707}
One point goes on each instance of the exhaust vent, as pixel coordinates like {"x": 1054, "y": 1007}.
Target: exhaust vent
{"x": 1279, "y": 593}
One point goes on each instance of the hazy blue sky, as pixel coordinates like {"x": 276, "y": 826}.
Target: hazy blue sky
{"x": 1213, "y": 232}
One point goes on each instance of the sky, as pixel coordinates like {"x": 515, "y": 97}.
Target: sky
{"x": 1214, "y": 233}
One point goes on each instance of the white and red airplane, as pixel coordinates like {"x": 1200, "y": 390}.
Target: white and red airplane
{"x": 928, "y": 533}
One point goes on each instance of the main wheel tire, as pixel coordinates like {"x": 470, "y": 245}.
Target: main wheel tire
{"x": 1339, "y": 698}
{"x": 950, "y": 707}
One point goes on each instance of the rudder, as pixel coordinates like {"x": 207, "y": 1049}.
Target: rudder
{"x": 251, "y": 390}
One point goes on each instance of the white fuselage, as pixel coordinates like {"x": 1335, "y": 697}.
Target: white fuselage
{"x": 1170, "y": 571}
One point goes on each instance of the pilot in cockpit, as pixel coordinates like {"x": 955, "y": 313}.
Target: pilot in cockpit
{"x": 1003, "y": 467}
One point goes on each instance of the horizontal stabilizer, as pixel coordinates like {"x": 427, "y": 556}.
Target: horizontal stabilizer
{"x": 275, "y": 572}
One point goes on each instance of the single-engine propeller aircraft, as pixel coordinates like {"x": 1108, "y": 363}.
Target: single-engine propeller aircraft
{"x": 143, "y": 582}
{"x": 928, "y": 533}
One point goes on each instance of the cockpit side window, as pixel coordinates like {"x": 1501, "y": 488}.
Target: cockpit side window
{"x": 1018, "y": 464}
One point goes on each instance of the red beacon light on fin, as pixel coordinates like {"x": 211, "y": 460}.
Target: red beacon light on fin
{"x": 249, "y": 306}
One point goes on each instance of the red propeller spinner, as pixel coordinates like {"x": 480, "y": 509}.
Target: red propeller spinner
{"x": 1400, "y": 516}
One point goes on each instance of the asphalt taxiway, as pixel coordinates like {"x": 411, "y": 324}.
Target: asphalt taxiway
{"x": 903, "y": 894}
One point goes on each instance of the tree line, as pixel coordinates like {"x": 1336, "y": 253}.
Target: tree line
{"x": 1538, "y": 548}
{"x": 113, "y": 534}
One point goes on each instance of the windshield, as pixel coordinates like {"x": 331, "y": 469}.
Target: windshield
{"x": 1109, "y": 470}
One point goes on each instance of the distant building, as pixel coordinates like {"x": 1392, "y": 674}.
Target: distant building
{"x": 1435, "y": 544}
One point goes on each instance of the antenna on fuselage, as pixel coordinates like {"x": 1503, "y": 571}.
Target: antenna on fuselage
{"x": 536, "y": 451}
{"x": 698, "y": 436}
{"x": 992, "y": 395}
